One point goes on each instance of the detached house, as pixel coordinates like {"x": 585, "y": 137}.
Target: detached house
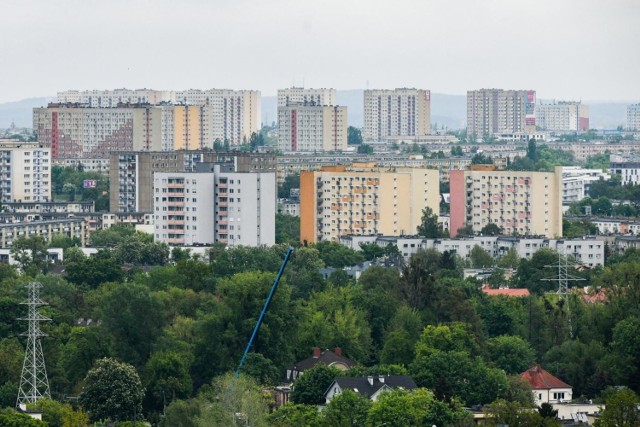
{"x": 369, "y": 387}
{"x": 546, "y": 388}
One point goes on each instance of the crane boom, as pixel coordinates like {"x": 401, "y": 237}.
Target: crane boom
{"x": 265, "y": 308}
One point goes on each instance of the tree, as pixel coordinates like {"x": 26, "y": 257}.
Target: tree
{"x": 133, "y": 317}
{"x": 288, "y": 229}
{"x": 457, "y": 151}
{"x": 57, "y": 414}
{"x": 513, "y": 414}
{"x": 481, "y": 159}
{"x": 290, "y": 182}
{"x": 167, "y": 378}
{"x": 511, "y": 353}
{"x": 354, "y": 136}
{"x": 12, "y": 418}
{"x": 93, "y": 271}
{"x": 310, "y": 387}
{"x": 233, "y": 400}
{"x": 347, "y": 409}
{"x": 532, "y": 150}
{"x": 480, "y": 258}
{"x": 491, "y": 229}
{"x": 429, "y": 226}
{"x": 510, "y": 259}
{"x": 621, "y": 410}
{"x": 112, "y": 391}
{"x": 292, "y": 415}
{"x": 31, "y": 254}
{"x": 371, "y": 251}
{"x": 417, "y": 407}
{"x": 365, "y": 149}
{"x": 182, "y": 413}
{"x": 336, "y": 255}
{"x": 546, "y": 411}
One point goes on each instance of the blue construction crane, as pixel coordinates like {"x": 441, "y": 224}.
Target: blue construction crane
{"x": 265, "y": 308}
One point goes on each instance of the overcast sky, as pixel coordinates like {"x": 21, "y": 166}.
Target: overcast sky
{"x": 564, "y": 49}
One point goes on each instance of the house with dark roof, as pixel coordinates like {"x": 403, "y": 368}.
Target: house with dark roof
{"x": 370, "y": 387}
{"x": 328, "y": 357}
{"x": 546, "y": 388}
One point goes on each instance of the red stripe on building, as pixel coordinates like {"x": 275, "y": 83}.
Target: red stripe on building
{"x": 54, "y": 134}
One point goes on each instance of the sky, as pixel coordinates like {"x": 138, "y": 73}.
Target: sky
{"x": 564, "y": 49}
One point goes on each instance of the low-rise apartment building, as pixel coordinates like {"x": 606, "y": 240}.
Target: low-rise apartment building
{"x": 627, "y": 168}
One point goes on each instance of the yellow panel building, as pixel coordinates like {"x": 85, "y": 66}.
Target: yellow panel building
{"x": 365, "y": 200}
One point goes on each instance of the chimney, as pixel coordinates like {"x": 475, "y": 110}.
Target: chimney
{"x": 370, "y": 379}
{"x": 338, "y": 351}
{"x": 316, "y": 351}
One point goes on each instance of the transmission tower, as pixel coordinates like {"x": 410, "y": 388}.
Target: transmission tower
{"x": 563, "y": 279}
{"x": 34, "y": 384}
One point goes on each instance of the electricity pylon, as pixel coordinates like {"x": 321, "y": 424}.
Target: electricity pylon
{"x": 34, "y": 384}
{"x": 563, "y": 280}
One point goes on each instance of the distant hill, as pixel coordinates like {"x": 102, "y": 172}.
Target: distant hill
{"x": 21, "y": 112}
{"x": 447, "y": 110}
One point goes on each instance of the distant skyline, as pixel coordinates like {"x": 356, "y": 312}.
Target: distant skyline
{"x": 565, "y": 50}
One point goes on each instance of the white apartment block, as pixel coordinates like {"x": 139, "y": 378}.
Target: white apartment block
{"x": 563, "y": 117}
{"x": 235, "y": 208}
{"x": 627, "y": 168}
{"x": 69, "y": 227}
{"x": 577, "y": 180}
{"x": 587, "y": 251}
{"x": 498, "y": 111}
{"x": 250, "y": 202}
{"x": 180, "y": 199}
{"x": 395, "y": 115}
{"x": 112, "y": 98}
{"x": 310, "y": 128}
{"x": 233, "y": 115}
{"x": 633, "y": 117}
{"x": 25, "y": 172}
{"x": 300, "y": 95}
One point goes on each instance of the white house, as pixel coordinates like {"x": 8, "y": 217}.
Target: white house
{"x": 546, "y": 388}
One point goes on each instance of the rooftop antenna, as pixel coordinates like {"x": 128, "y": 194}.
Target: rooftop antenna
{"x": 34, "y": 384}
{"x": 563, "y": 279}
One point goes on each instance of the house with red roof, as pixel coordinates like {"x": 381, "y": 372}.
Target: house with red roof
{"x": 510, "y": 292}
{"x": 546, "y": 388}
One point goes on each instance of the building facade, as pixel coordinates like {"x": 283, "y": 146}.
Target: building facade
{"x": 300, "y": 95}
{"x": 113, "y": 98}
{"x": 498, "y": 111}
{"x": 131, "y": 173}
{"x": 395, "y": 115}
{"x": 520, "y": 203}
{"x": 576, "y": 182}
{"x": 202, "y": 208}
{"x": 312, "y": 128}
{"x": 627, "y": 168}
{"x": 563, "y": 117}
{"x": 25, "y": 172}
{"x": 364, "y": 200}
{"x": 633, "y": 117}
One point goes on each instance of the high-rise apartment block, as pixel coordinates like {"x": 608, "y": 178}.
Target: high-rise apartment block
{"x": 203, "y": 208}
{"x": 520, "y": 203}
{"x": 633, "y": 117}
{"x": 563, "y": 117}
{"x": 25, "y": 172}
{"x": 400, "y": 114}
{"x": 312, "y": 128}
{"x": 497, "y": 111}
{"x": 299, "y": 95}
{"x": 131, "y": 173}
{"x": 89, "y": 124}
{"x": 114, "y": 98}
{"x": 364, "y": 200}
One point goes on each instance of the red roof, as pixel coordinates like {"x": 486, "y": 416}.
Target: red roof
{"x": 514, "y": 292}
{"x": 539, "y": 379}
